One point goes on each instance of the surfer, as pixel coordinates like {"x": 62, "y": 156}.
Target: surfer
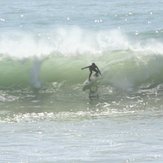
{"x": 93, "y": 67}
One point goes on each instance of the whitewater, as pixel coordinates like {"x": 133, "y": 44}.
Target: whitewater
{"x": 45, "y": 116}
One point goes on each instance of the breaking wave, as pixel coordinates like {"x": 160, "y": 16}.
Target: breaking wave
{"x": 34, "y": 59}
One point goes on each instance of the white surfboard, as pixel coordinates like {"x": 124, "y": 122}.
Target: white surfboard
{"x": 91, "y": 83}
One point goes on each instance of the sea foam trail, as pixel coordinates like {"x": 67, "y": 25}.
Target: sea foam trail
{"x": 59, "y": 55}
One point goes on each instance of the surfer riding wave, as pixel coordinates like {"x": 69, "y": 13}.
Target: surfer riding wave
{"x": 93, "y": 68}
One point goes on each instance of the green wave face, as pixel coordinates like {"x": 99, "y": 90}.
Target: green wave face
{"x": 121, "y": 69}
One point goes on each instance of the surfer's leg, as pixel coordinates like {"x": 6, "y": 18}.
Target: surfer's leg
{"x": 96, "y": 74}
{"x": 90, "y": 75}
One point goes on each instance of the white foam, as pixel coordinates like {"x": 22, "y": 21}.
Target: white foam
{"x": 65, "y": 41}
{"x": 72, "y": 41}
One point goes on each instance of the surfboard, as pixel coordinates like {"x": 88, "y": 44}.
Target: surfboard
{"x": 88, "y": 84}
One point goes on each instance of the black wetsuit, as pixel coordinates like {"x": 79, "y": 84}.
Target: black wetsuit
{"x": 92, "y": 68}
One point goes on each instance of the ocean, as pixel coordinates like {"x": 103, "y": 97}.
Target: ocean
{"x": 46, "y": 116}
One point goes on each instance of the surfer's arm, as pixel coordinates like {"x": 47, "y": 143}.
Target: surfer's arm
{"x": 85, "y": 67}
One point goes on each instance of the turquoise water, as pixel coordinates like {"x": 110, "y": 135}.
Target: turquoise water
{"x": 45, "y": 116}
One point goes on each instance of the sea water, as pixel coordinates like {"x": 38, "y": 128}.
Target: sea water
{"x": 45, "y": 116}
